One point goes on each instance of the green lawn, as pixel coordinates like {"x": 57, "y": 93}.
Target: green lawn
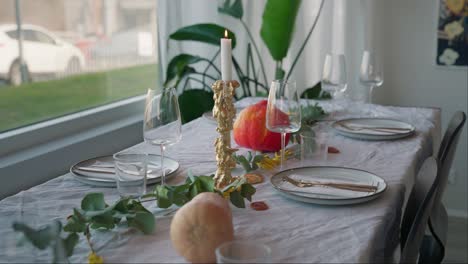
{"x": 34, "y": 102}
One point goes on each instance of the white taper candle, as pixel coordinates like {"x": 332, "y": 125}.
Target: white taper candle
{"x": 226, "y": 59}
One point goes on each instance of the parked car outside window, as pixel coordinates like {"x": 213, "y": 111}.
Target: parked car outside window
{"x": 43, "y": 53}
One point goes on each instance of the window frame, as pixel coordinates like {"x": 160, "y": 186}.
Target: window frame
{"x": 119, "y": 122}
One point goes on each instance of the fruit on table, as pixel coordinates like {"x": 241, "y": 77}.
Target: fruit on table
{"x": 200, "y": 226}
{"x": 250, "y": 129}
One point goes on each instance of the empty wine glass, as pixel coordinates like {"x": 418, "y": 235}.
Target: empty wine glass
{"x": 162, "y": 123}
{"x": 371, "y": 73}
{"x": 283, "y": 111}
{"x": 334, "y": 78}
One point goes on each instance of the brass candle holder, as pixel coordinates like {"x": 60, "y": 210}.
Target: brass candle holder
{"x": 224, "y": 112}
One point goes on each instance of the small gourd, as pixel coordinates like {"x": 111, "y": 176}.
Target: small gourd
{"x": 200, "y": 226}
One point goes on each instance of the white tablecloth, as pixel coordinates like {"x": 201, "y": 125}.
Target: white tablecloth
{"x": 297, "y": 232}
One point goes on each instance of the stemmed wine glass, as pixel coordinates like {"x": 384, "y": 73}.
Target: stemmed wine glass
{"x": 283, "y": 110}
{"x": 371, "y": 73}
{"x": 162, "y": 123}
{"x": 334, "y": 78}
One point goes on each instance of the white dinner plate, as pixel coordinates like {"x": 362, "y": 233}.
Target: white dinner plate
{"x": 373, "y": 128}
{"x": 89, "y": 171}
{"x": 328, "y": 196}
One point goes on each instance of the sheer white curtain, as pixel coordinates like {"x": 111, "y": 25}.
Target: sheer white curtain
{"x": 344, "y": 26}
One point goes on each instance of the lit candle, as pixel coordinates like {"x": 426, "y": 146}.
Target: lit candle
{"x": 226, "y": 60}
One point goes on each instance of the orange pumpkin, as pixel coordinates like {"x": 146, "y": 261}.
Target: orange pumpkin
{"x": 250, "y": 129}
{"x": 200, "y": 226}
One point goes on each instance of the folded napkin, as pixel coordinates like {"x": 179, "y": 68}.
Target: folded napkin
{"x": 322, "y": 190}
{"x": 375, "y": 130}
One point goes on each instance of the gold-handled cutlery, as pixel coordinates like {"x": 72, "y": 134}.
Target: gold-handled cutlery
{"x": 343, "y": 186}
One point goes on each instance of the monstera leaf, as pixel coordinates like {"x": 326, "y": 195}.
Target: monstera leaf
{"x": 235, "y": 10}
{"x": 178, "y": 67}
{"x": 193, "y": 103}
{"x": 206, "y": 33}
{"x": 277, "y": 29}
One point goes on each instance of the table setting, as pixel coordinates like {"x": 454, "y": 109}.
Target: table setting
{"x": 251, "y": 181}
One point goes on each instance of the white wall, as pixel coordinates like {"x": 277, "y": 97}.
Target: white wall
{"x": 408, "y": 32}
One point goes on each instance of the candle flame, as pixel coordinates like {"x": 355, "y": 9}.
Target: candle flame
{"x": 225, "y": 33}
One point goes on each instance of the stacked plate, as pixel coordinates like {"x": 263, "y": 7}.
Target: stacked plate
{"x": 373, "y": 128}
{"x": 100, "y": 171}
{"x": 322, "y": 178}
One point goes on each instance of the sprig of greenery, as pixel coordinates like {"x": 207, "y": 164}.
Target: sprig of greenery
{"x": 95, "y": 213}
{"x": 249, "y": 163}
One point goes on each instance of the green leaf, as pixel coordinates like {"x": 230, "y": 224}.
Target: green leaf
{"x": 70, "y": 242}
{"x": 74, "y": 224}
{"x": 242, "y": 160}
{"x": 247, "y": 191}
{"x": 237, "y": 199}
{"x": 206, "y": 33}
{"x": 277, "y": 28}
{"x": 42, "y": 237}
{"x": 143, "y": 221}
{"x": 178, "y": 67}
{"x": 193, "y": 103}
{"x": 315, "y": 92}
{"x": 207, "y": 183}
{"x": 235, "y": 10}
{"x": 163, "y": 197}
{"x": 93, "y": 202}
{"x": 105, "y": 220}
{"x": 195, "y": 189}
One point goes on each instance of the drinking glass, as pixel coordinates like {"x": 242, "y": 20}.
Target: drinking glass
{"x": 371, "y": 73}
{"x": 334, "y": 78}
{"x": 243, "y": 252}
{"x": 162, "y": 122}
{"x": 283, "y": 111}
{"x": 130, "y": 172}
{"x": 313, "y": 144}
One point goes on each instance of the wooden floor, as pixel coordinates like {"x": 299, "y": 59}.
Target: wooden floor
{"x": 457, "y": 245}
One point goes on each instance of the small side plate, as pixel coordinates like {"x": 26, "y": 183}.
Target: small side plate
{"x": 342, "y": 128}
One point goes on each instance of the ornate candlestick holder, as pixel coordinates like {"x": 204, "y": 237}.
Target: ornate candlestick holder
{"x": 224, "y": 112}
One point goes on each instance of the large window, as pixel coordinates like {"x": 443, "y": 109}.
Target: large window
{"x": 77, "y": 54}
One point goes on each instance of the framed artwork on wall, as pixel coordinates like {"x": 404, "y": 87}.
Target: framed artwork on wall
{"x": 452, "y": 33}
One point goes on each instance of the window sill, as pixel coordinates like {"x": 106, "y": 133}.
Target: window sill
{"x": 40, "y": 152}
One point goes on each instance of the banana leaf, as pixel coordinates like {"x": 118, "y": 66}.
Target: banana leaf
{"x": 206, "y": 33}
{"x": 277, "y": 28}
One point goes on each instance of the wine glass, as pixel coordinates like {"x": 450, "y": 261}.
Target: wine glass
{"x": 162, "y": 124}
{"x": 283, "y": 110}
{"x": 371, "y": 73}
{"x": 334, "y": 78}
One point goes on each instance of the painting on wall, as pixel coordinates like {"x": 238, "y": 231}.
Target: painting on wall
{"x": 452, "y": 33}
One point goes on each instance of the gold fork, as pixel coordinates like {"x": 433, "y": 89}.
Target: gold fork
{"x": 343, "y": 186}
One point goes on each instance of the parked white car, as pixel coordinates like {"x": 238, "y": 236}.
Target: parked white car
{"x": 43, "y": 53}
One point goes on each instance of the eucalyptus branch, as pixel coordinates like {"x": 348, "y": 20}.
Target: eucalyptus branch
{"x": 88, "y": 238}
{"x": 256, "y": 49}
{"x": 305, "y": 41}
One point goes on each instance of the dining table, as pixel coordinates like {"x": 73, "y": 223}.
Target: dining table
{"x": 296, "y": 232}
